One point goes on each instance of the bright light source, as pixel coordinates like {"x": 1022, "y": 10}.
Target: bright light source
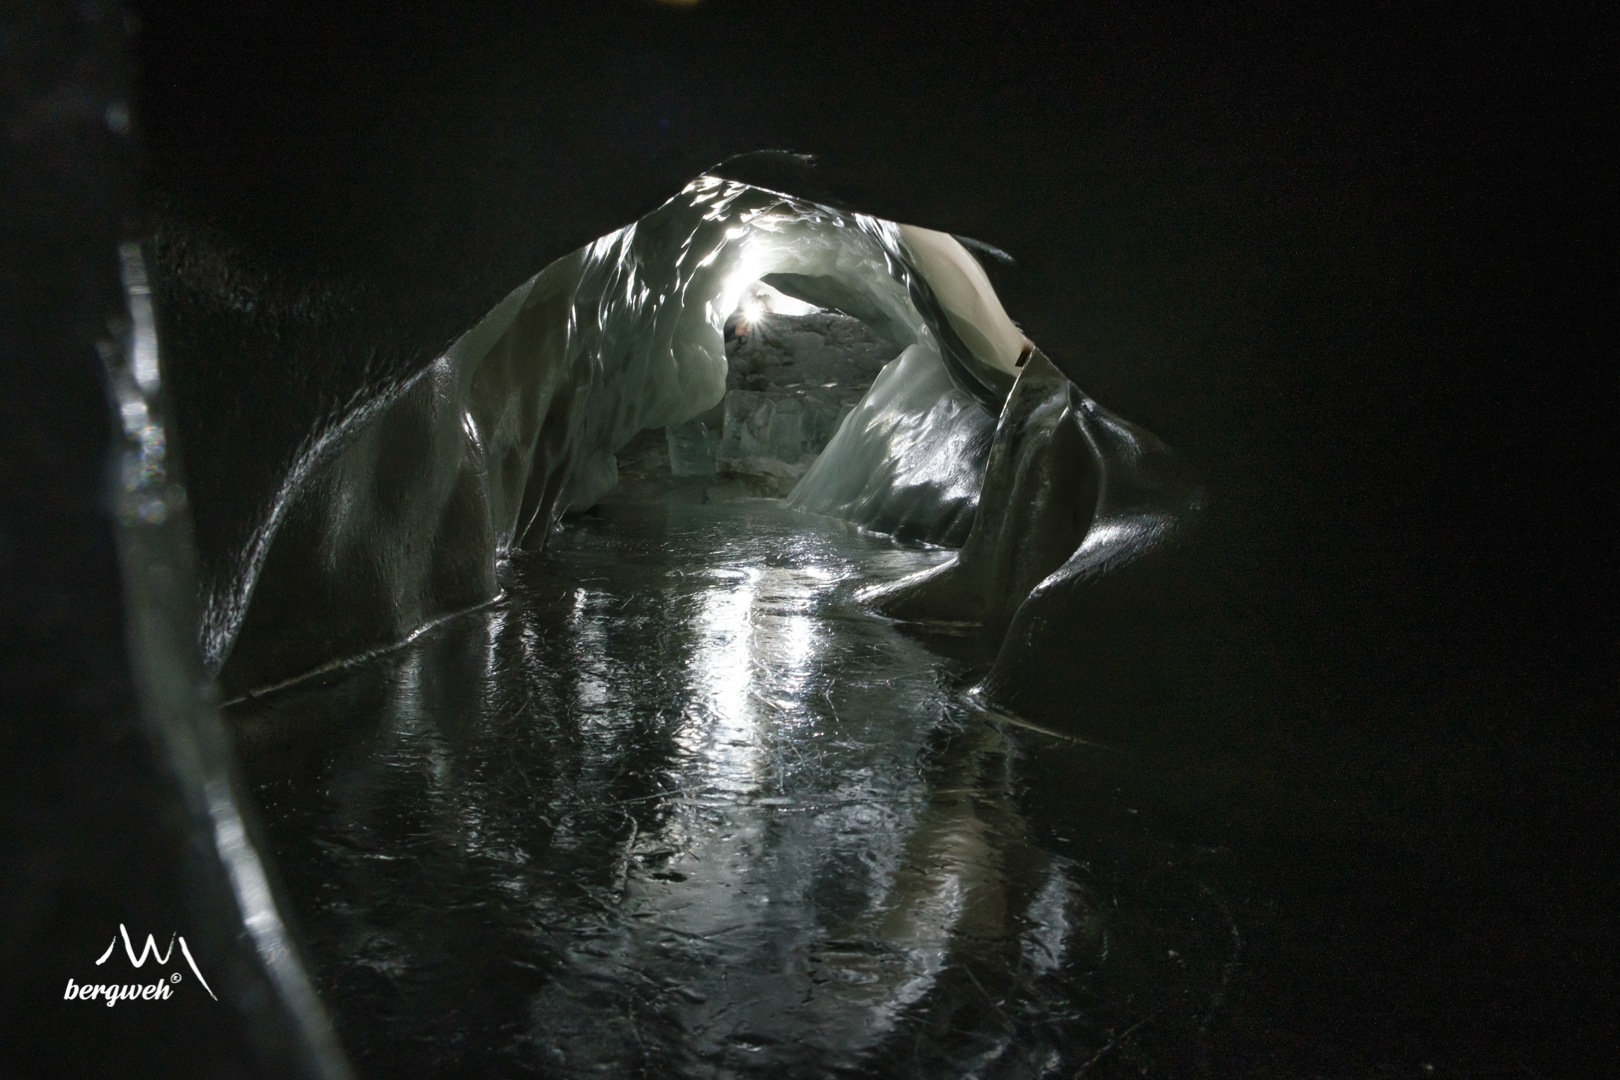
{"x": 751, "y": 315}
{"x": 759, "y": 301}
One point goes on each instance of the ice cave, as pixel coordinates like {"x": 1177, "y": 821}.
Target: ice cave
{"x": 736, "y": 341}
{"x": 505, "y": 574}
{"x": 636, "y": 687}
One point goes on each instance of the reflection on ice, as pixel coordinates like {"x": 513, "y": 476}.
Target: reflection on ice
{"x": 675, "y": 806}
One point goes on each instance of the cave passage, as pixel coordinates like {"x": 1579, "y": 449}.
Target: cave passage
{"x": 644, "y": 689}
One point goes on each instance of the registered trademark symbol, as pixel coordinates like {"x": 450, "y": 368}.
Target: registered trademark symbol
{"x": 175, "y": 977}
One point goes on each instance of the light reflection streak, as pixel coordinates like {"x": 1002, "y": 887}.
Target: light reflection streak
{"x": 178, "y": 706}
{"x": 592, "y": 688}
{"x": 721, "y": 669}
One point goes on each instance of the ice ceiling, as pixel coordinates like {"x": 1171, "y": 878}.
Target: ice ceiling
{"x": 403, "y": 512}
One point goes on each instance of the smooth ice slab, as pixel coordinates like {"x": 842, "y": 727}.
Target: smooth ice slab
{"x": 691, "y": 449}
{"x": 909, "y": 460}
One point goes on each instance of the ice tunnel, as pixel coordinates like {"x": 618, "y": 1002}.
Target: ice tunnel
{"x": 639, "y": 685}
{"x": 678, "y": 675}
{"x": 627, "y": 363}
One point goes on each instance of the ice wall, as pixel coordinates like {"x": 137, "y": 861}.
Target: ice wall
{"x": 909, "y": 460}
{"x": 1040, "y": 490}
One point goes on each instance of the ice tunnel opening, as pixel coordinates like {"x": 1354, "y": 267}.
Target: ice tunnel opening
{"x": 734, "y": 342}
{"x": 794, "y": 371}
{"x": 750, "y": 260}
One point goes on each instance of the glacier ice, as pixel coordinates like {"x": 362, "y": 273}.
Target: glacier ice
{"x": 969, "y": 437}
{"x": 909, "y": 459}
{"x": 691, "y": 449}
{"x": 1039, "y": 493}
{"x": 782, "y": 429}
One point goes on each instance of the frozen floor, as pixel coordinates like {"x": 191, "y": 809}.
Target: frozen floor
{"x": 675, "y": 806}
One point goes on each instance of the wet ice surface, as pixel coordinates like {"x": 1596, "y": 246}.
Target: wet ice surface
{"x": 676, "y": 806}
